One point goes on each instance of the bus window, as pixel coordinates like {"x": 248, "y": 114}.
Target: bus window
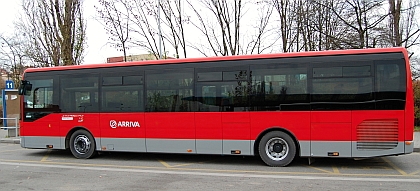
{"x": 79, "y": 94}
{"x": 277, "y": 87}
{"x": 169, "y": 90}
{"x": 122, "y": 93}
{"x": 334, "y": 88}
{"x": 41, "y": 95}
{"x": 390, "y": 83}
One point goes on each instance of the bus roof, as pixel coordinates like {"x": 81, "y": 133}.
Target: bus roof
{"x": 224, "y": 58}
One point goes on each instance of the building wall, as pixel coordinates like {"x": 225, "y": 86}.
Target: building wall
{"x": 130, "y": 58}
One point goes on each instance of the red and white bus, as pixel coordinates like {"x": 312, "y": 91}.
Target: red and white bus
{"x": 344, "y": 103}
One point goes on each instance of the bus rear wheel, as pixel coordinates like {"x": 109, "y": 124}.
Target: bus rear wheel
{"x": 82, "y": 144}
{"x": 277, "y": 148}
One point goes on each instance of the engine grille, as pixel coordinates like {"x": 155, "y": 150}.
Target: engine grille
{"x": 377, "y": 134}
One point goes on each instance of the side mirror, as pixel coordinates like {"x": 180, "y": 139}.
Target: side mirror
{"x": 24, "y": 87}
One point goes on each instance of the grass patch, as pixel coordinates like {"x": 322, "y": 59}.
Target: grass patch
{"x": 417, "y": 128}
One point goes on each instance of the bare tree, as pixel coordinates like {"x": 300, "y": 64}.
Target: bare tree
{"x": 308, "y": 25}
{"x": 54, "y": 31}
{"x": 404, "y": 30}
{"x": 174, "y": 19}
{"x": 258, "y": 43}
{"x": 287, "y": 20}
{"x": 116, "y": 19}
{"x": 145, "y": 26}
{"x": 135, "y": 23}
{"x": 223, "y": 39}
{"x": 12, "y": 56}
{"x": 359, "y": 17}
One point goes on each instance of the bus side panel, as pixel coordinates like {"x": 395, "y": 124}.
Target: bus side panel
{"x": 298, "y": 123}
{"x": 123, "y": 132}
{"x": 377, "y": 133}
{"x": 331, "y": 133}
{"x": 88, "y": 121}
{"x": 170, "y": 132}
{"x": 42, "y": 132}
{"x": 209, "y": 132}
{"x": 236, "y": 132}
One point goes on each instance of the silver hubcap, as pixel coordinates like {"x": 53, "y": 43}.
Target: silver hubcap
{"x": 82, "y": 144}
{"x": 277, "y": 149}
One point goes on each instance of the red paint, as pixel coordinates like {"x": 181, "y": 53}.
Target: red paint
{"x": 171, "y": 125}
{"x": 338, "y": 126}
{"x": 207, "y": 125}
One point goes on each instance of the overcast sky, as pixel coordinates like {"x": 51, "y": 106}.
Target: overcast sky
{"x": 97, "y": 49}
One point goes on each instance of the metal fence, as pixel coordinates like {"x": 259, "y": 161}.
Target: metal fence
{"x": 16, "y": 127}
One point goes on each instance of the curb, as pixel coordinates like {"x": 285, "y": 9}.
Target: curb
{"x": 10, "y": 140}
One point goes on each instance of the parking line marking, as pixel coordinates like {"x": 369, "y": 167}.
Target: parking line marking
{"x": 44, "y": 159}
{"x": 335, "y": 170}
{"x": 414, "y": 173}
{"x": 29, "y": 162}
{"x": 222, "y": 174}
{"x": 395, "y": 166}
{"x": 164, "y": 163}
{"x": 320, "y": 169}
{"x": 179, "y": 165}
{"x": 188, "y": 164}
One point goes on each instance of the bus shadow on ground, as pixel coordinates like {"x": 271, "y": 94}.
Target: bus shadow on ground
{"x": 229, "y": 160}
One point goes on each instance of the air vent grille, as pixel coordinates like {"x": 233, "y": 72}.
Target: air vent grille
{"x": 378, "y": 134}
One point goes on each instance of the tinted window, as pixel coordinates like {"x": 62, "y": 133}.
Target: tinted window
{"x": 235, "y": 75}
{"x": 342, "y": 87}
{"x": 209, "y": 76}
{"x": 40, "y": 101}
{"x": 222, "y": 89}
{"x": 125, "y": 96}
{"x": 279, "y": 87}
{"x": 169, "y": 90}
{"x": 79, "y": 93}
{"x": 390, "y": 84}
{"x": 222, "y": 96}
{"x": 342, "y": 93}
{"x": 41, "y": 95}
{"x": 349, "y": 71}
{"x": 112, "y": 80}
{"x": 328, "y": 72}
{"x": 341, "y": 71}
{"x": 132, "y": 80}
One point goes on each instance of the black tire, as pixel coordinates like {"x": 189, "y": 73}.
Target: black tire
{"x": 277, "y": 148}
{"x": 82, "y": 144}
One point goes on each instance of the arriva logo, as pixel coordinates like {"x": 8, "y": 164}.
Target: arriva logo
{"x": 114, "y": 124}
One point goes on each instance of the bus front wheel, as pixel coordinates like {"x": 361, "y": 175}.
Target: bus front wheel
{"x": 277, "y": 148}
{"x": 82, "y": 144}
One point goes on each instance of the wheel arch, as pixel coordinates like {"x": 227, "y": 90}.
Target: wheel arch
{"x": 74, "y": 129}
{"x": 276, "y": 128}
